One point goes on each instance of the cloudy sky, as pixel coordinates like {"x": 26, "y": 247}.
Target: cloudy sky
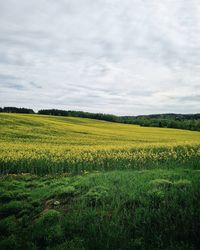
{"x": 112, "y": 56}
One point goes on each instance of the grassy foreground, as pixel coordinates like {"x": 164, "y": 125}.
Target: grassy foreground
{"x": 80, "y": 184}
{"x": 150, "y": 209}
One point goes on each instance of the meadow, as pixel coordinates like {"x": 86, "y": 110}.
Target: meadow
{"x": 82, "y": 184}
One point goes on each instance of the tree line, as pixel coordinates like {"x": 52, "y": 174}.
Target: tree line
{"x": 16, "y": 110}
{"x": 180, "y": 121}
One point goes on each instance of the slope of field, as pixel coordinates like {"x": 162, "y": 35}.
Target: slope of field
{"x": 47, "y": 144}
{"x": 152, "y": 204}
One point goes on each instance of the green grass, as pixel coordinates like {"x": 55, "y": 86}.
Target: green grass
{"x": 155, "y": 209}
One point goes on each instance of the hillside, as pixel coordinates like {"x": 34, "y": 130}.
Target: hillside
{"x": 171, "y": 120}
{"x": 42, "y": 144}
{"x": 84, "y": 184}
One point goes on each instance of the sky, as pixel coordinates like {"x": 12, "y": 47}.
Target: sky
{"x": 124, "y": 57}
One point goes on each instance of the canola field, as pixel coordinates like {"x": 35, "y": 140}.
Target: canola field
{"x": 49, "y": 145}
{"x": 81, "y": 184}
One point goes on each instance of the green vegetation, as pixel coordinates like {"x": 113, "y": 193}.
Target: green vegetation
{"x": 180, "y": 121}
{"x": 16, "y": 110}
{"x": 117, "y": 210}
{"x": 81, "y": 184}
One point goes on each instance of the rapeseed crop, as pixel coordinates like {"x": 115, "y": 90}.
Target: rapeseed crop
{"x": 49, "y": 145}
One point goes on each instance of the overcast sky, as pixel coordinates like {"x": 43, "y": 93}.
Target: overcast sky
{"x": 112, "y": 56}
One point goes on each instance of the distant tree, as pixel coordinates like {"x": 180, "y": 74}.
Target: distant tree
{"x": 17, "y": 110}
{"x": 99, "y": 116}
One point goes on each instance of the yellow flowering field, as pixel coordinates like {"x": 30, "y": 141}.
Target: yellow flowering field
{"x": 48, "y": 144}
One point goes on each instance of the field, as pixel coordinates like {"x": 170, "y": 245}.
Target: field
{"x": 76, "y": 183}
{"x": 48, "y": 145}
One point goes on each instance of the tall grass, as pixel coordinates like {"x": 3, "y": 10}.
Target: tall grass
{"x": 157, "y": 209}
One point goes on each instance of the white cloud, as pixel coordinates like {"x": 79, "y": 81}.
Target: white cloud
{"x": 114, "y": 56}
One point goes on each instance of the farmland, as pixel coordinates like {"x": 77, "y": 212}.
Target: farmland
{"x": 47, "y": 144}
{"x": 75, "y": 183}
